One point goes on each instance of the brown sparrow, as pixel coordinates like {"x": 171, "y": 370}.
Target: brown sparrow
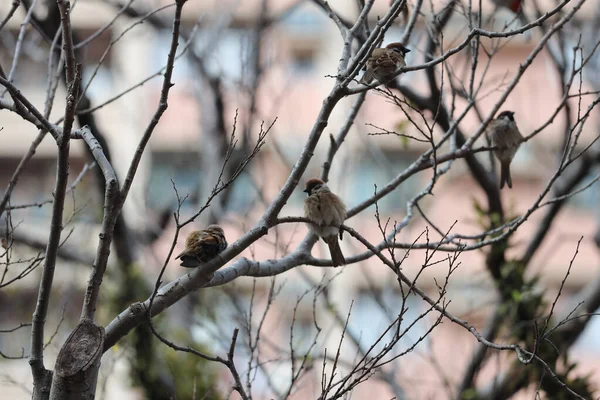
{"x": 505, "y": 135}
{"x": 201, "y": 246}
{"x": 327, "y": 212}
{"x": 383, "y": 62}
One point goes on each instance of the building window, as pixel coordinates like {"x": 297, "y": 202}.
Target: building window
{"x": 379, "y": 169}
{"x": 228, "y": 55}
{"x": 303, "y": 61}
{"x": 589, "y": 198}
{"x": 185, "y": 170}
{"x": 369, "y": 321}
{"x": 306, "y": 21}
{"x": 182, "y": 168}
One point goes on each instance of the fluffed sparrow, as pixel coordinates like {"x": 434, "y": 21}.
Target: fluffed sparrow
{"x": 327, "y": 212}
{"x": 201, "y": 246}
{"x": 505, "y": 135}
{"x": 383, "y": 62}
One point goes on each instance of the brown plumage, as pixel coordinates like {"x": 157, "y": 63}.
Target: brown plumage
{"x": 383, "y": 62}
{"x": 328, "y": 212}
{"x": 201, "y": 246}
{"x": 505, "y": 135}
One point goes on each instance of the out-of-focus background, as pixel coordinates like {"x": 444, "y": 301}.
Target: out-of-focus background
{"x": 297, "y": 57}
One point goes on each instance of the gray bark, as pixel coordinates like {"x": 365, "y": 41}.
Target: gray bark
{"x": 78, "y": 363}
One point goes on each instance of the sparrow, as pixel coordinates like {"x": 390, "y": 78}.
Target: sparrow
{"x": 327, "y": 212}
{"x": 383, "y": 62}
{"x": 505, "y": 135}
{"x": 515, "y": 6}
{"x": 201, "y": 246}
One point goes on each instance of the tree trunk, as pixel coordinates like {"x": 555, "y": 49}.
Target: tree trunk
{"x": 78, "y": 363}
{"x": 41, "y": 385}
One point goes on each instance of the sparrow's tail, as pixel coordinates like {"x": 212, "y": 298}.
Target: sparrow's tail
{"x": 189, "y": 262}
{"x": 367, "y": 77}
{"x": 505, "y": 175}
{"x": 336, "y": 253}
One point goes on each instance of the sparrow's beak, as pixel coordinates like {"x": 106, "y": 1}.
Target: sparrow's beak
{"x": 307, "y": 191}
{"x": 406, "y": 50}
